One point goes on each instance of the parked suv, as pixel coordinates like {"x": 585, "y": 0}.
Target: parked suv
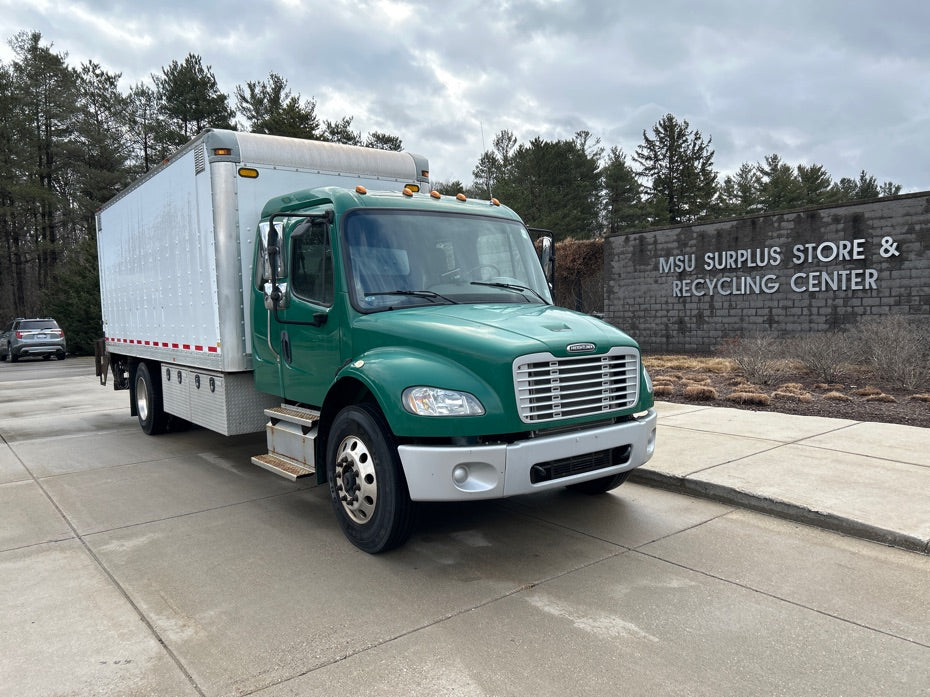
{"x": 32, "y": 337}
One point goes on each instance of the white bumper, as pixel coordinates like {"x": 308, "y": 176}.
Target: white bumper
{"x": 460, "y": 473}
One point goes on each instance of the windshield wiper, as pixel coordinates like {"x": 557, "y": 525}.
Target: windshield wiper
{"x": 427, "y": 294}
{"x": 510, "y": 286}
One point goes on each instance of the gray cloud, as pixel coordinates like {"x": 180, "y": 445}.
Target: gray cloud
{"x": 835, "y": 83}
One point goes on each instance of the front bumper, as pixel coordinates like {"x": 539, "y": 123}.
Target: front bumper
{"x": 461, "y": 473}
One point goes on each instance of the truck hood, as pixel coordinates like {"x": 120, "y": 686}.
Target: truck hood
{"x": 508, "y": 329}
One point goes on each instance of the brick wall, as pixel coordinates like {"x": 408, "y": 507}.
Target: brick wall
{"x": 689, "y": 288}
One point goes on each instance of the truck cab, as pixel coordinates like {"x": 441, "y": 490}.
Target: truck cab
{"x": 419, "y": 329}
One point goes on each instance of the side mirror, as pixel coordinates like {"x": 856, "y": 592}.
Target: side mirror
{"x": 276, "y": 296}
{"x": 547, "y": 258}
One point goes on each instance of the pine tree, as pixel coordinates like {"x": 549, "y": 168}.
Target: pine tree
{"x": 677, "y": 167}
{"x": 189, "y": 100}
{"x": 271, "y": 108}
{"x": 623, "y": 207}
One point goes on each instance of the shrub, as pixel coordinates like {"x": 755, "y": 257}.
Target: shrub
{"x": 896, "y": 347}
{"x": 758, "y": 356}
{"x": 822, "y": 353}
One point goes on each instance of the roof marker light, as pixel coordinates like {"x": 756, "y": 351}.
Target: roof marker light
{"x": 495, "y": 202}
{"x": 361, "y": 190}
{"x": 435, "y": 194}
{"x": 407, "y": 191}
{"x": 461, "y": 197}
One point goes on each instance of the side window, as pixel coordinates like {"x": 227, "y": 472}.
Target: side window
{"x": 311, "y": 274}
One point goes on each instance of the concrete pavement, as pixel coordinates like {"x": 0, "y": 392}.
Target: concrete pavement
{"x": 869, "y": 480}
{"x": 134, "y": 565}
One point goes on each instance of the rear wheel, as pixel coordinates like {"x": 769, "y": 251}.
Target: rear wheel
{"x": 366, "y": 483}
{"x": 152, "y": 417}
{"x": 599, "y": 486}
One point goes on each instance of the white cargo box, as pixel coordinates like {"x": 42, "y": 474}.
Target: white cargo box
{"x": 175, "y": 248}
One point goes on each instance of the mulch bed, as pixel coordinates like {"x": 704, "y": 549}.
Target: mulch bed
{"x": 857, "y": 394}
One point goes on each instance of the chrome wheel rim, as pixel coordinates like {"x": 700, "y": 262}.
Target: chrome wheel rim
{"x": 355, "y": 480}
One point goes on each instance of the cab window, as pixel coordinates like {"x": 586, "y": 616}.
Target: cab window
{"x": 311, "y": 259}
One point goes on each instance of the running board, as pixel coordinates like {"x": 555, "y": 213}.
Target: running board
{"x": 291, "y": 434}
{"x": 282, "y": 466}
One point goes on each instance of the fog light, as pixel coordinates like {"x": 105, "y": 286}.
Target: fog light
{"x": 460, "y": 474}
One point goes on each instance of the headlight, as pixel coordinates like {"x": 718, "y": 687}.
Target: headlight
{"x": 434, "y": 401}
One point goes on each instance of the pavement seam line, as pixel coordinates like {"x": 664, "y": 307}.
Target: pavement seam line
{"x": 779, "y": 598}
{"x": 112, "y": 579}
{"x": 449, "y": 616}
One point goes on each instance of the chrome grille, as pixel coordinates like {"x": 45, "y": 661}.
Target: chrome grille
{"x": 550, "y": 388}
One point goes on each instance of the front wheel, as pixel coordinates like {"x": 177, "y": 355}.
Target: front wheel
{"x": 600, "y": 486}
{"x": 366, "y": 483}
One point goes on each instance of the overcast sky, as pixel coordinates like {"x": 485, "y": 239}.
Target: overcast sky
{"x": 841, "y": 83}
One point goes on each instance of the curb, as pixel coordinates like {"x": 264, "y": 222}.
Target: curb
{"x": 781, "y": 509}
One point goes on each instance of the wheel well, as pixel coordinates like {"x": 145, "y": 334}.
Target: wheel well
{"x": 346, "y": 392}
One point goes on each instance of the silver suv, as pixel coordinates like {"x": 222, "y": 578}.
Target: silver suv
{"x": 32, "y": 337}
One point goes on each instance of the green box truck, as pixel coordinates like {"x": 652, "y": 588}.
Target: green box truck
{"x": 395, "y": 345}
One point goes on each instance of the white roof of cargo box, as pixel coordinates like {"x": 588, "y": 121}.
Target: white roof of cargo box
{"x": 279, "y": 151}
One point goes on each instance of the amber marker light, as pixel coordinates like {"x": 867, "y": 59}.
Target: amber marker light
{"x": 413, "y": 187}
{"x": 248, "y": 172}
{"x": 461, "y": 197}
{"x": 407, "y": 191}
{"x": 361, "y": 190}
{"x": 495, "y": 202}
{"x": 222, "y": 152}
{"x": 435, "y": 194}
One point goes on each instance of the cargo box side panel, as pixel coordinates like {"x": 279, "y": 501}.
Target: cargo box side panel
{"x": 158, "y": 269}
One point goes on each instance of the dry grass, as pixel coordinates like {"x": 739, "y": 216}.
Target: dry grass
{"x": 837, "y": 396}
{"x": 882, "y": 397}
{"x": 867, "y": 391}
{"x": 921, "y": 397}
{"x": 695, "y": 364}
{"x": 749, "y": 398}
{"x": 705, "y": 393}
{"x": 805, "y": 397}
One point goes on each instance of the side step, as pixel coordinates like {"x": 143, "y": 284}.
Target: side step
{"x": 291, "y": 433}
{"x": 283, "y": 466}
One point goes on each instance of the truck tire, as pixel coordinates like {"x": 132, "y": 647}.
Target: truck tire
{"x": 152, "y": 417}
{"x": 600, "y": 486}
{"x": 366, "y": 483}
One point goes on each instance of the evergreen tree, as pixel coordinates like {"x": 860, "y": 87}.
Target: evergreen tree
{"x": 780, "y": 189}
{"x": 449, "y": 188}
{"x": 271, "y": 108}
{"x": 889, "y": 189}
{"x": 677, "y": 166}
{"x": 189, "y": 100}
{"x": 739, "y": 193}
{"x": 46, "y": 93}
{"x": 341, "y": 132}
{"x": 623, "y": 207}
{"x": 815, "y": 185}
{"x": 144, "y": 124}
{"x": 100, "y": 149}
{"x": 494, "y": 165}
{"x": 554, "y": 185}
{"x": 383, "y": 141}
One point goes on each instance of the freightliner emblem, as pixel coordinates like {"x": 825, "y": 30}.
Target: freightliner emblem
{"x": 579, "y": 348}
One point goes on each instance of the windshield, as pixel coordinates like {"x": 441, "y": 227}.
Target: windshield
{"x": 400, "y": 259}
